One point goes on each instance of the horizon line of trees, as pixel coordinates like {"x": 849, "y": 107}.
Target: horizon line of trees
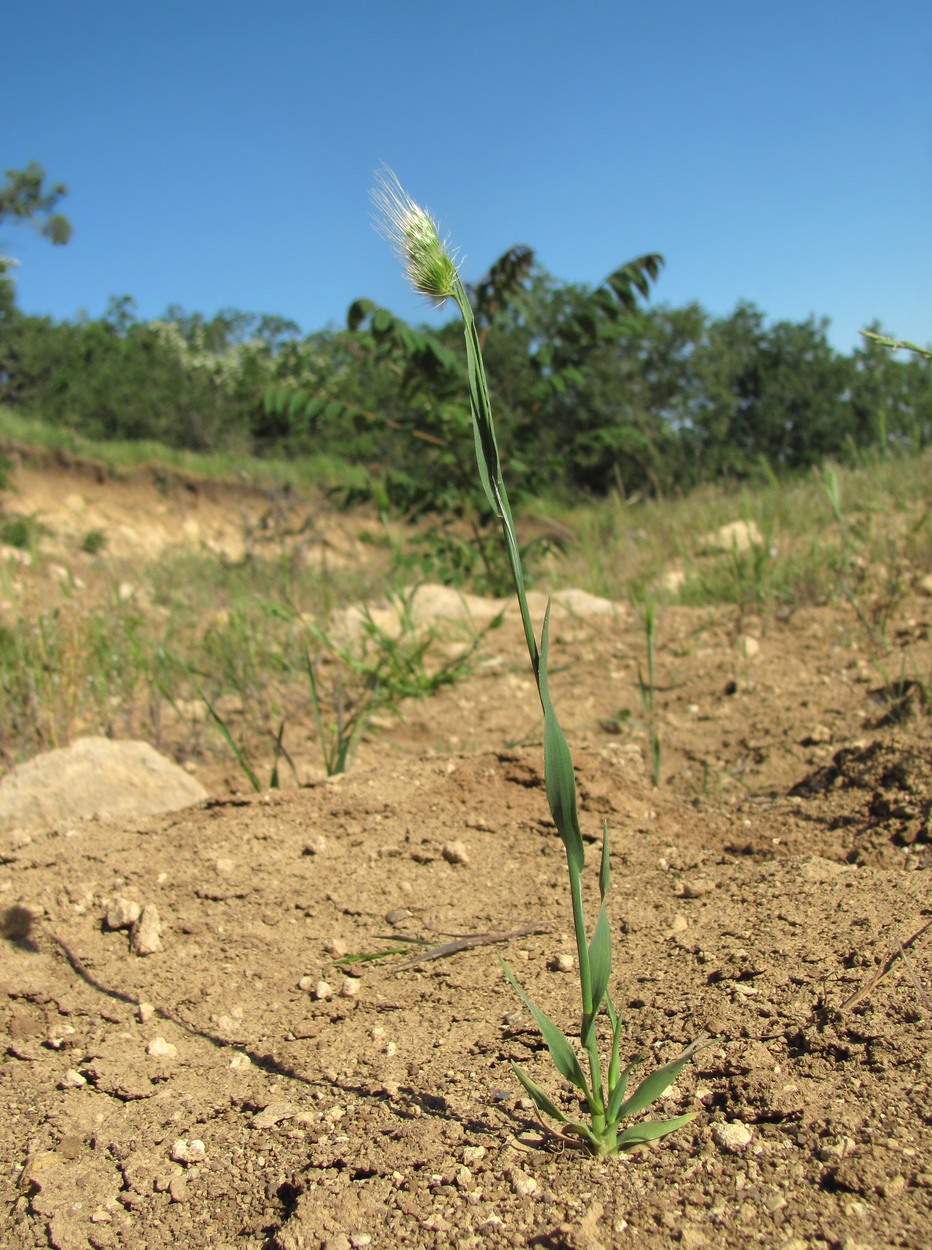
{"x": 594, "y": 389}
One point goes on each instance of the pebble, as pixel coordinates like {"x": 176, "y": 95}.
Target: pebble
{"x": 455, "y": 853}
{"x": 336, "y": 947}
{"x": 185, "y": 1151}
{"x": 522, "y": 1184}
{"x": 349, "y": 988}
{"x": 359, "y": 1240}
{"x": 72, "y": 1080}
{"x": 122, "y": 913}
{"x": 178, "y": 1189}
{"x": 322, "y": 991}
{"x": 146, "y": 934}
{"x": 562, "y": 963}
{"x": 733, "y": 1137}
{"x": 396, "y": 915}
{"x": 274, "y": 1113}
{"x": 145, "y": 1012}
{"x": 315, "y": 846}
{"x": 306, "y": 984}
{"x": 160, "y": 1048}
{"x": 696, "y": 887}
{"x": 839, "y": 1149}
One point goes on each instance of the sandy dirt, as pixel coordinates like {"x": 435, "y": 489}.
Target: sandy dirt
{"x": 239, "y": 1087}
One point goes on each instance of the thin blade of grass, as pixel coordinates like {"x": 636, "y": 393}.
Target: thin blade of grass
{"x": 559, "y": 777}
{"x": 653, "y": 1086}
{"x": 561, "y": 1051}
{"x": 618, "y": 1089}
{"x": 638, "y": 1134}
{"x": 228, "y": 737}
{"x": 600, "y": 960}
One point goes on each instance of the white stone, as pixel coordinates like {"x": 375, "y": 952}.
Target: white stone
{"x": 733, "y": 1137}
{"x": 160, "y": 1048}
{"x": 185, "y": 1151}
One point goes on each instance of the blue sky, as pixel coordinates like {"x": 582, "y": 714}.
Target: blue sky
{"x": 221, "y": 154}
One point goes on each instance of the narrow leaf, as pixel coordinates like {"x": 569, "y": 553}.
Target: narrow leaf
{"x": 637, "y": 1134}
{"x": 228, "y": 738}
{"x": 618, "y": 1089}
{"x": 651, "y": 1088}
{"x": 605, "y": 868}
{"x": 614, "y": 1064}
{"x": 559, "y": 777}
{"x": 541, "y": 1099}
{"x": 561, "y": 1051}
{"x": 600, "y": 959}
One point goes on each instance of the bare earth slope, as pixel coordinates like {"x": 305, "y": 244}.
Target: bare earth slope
{"x": 237, "y": 1087}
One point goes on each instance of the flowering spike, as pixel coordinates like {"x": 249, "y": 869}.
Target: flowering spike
{"x": 414, "y": 235}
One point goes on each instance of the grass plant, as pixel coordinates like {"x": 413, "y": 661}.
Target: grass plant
{"x": 648, "y": 690}
{"x": 432, "y": 271}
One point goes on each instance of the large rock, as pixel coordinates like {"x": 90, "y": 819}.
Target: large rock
{"x": 431, "y": 604}
{"x": 94, "y": 777}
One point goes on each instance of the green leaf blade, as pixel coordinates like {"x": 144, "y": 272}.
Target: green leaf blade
{"x": 600, "y": 959}
{"x": 559, "y": 778}
{"x": 561, "y": 1052}
{"x": 639, "y": 1134}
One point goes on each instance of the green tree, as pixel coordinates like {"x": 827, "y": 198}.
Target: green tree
{"x": 24, "y": 197}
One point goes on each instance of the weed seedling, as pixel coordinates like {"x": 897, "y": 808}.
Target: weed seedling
{"x": 432, "y": 271}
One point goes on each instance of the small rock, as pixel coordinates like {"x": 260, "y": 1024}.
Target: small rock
{"x": 522, "y": 1184}
{"x": 339, "y": 1242}
{"x": 306, "y": 984}
{"x": 396, "y": 915}
{"x": 178, "y": 1189}
{"x": 359, "y": 1240}
{"x": 160, "y": 1048}
{"x": 72, "y": 1080}
{"x": 336, "y": 947}
{"x": 122, "y": 913}
{"x": 733, "y": 1137}
{"x": 749, "y": 646}
{"x": 349, "y": 988}
{"x": 187, "y": 1152}
{"x": 273, "y": 1114}
{"x": 696, "y": 887}
{"x": 240, "y": 1062}
{"x": 839, "y": 1149}
{"x": 315, "y": 846}
{"x": 455, "y": 853}
{"x": 815, "y": 868}
{"x": 225, "y": 866}
{"x": 145, "y": 1012}
{"x": 322, "y": 991}
{"x": 738, "y": 536}
{"x": 562, "y": 963}
{"x": 473, "y": 1154}
{"x": 146, "y": 934}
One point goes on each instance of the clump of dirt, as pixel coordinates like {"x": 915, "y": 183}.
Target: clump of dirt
{"x": 243, "y": 1085}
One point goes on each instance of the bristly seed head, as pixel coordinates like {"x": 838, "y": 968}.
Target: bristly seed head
{"x": 414, "y": 235}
